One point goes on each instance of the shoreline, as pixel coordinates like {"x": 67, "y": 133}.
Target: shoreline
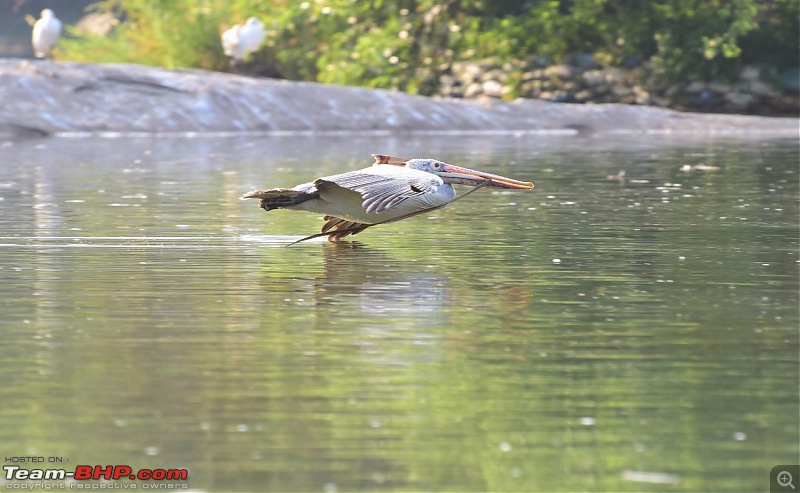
{"x": 45, "y": 98}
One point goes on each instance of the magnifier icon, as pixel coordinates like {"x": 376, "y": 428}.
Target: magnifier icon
{"x": 785, "y": 479}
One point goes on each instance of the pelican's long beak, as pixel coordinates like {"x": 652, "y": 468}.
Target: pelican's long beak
{"x": 465, "y": 176}
{"x": 462, "y": 176}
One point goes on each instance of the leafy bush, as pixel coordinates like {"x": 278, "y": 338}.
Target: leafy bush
{"x": 407, "y": 44}
{"x": 168, "y": 33}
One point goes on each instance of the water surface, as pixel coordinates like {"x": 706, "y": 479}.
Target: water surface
{"x": 594, "y": 334}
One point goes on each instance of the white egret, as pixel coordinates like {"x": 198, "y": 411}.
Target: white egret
{"x": 46, "y": 32}
{"x": 241, "y": 40}
{"x": 252, "y": 35}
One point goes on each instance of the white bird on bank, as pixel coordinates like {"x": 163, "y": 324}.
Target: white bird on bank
{"x": 241, "y": 40}
{"x": 230, "y": 42}
{"x": 46, "y": 32}
{"x": 252, "y": 34}
{"x": 391, "y": 190}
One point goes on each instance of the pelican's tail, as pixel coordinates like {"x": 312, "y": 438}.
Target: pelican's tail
{"x": 278, "y": 198}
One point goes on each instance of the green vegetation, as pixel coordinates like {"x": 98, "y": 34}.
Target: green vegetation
{"x": 407, "y": 44}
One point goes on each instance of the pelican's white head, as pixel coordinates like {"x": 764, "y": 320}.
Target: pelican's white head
{"x": 47, "y": 14}
{"x": 464, "y": 176}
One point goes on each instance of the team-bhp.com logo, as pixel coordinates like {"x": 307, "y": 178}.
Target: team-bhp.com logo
{"x": 95, "y": 473}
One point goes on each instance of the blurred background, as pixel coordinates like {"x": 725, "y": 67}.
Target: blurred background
{"x": 736, "y": 56}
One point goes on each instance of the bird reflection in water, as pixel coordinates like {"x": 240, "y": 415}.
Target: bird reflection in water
{"x": 390, "y": 303}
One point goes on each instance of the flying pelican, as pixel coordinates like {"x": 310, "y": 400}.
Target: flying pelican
{"x": 390, "y": 190}
{"x": 241, "y": 40}
{"x": 46, "y": 32}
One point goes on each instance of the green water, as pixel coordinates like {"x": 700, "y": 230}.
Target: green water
{"x": 589, "y": 335}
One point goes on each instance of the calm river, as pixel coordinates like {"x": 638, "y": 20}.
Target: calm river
{"x": 593, "y": 334}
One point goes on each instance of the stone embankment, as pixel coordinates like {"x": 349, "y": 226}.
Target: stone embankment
{"x": 588, "y": 82}
{"x": 41, "y": 98}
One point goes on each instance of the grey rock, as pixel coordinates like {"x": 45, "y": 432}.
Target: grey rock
{"x": 593, "y": 78}
{"x": 583, "y": 96}
{"x": 621, "y": 91}
{"x": 602, "y": 89}
{"x": 473, "y": 90}
{"x": 720, "y": 87}
{"x": 40, "y": 98}
{"x": 563, "y": 97}
{"x": 537, "y": 74}
{"x": 494, "y": 75}
{"x": 739, "y": 100}
{"x": 614, "y": 75}
{"x": 494, "y": 89}
{"x": 531, "y": 89}
{"x": 760, "y": 88}
{"x": 472, "y": 72}
{"x": 448, "y": 82}
{"x": 465, "y": 71}
{"x": 563, "y": 72}
{"x": 513, "y": 65}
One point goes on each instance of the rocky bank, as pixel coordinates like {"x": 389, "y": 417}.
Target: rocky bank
{"x": 585, "y": 81}
{"x": 40, "y": 98}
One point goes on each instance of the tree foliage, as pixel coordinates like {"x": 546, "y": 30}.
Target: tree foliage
{"x": 407, "y": 44}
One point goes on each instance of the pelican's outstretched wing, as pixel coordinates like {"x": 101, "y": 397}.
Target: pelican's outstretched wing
{"x": 384, "y": 188}
{"x": 336, "y": 228}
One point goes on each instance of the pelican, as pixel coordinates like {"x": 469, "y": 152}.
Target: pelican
{"x": 46, "y": 32}
{"x": 241, "y": 40}
{"x": 390, "y": 190}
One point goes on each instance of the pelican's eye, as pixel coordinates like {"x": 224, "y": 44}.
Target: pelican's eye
{"x": 436, "y": 165}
